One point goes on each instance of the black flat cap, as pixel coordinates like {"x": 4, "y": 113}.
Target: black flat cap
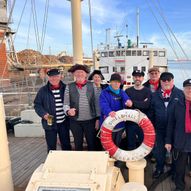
{"x": 79, "y": 67}
{"x": 98, "y": 72}
{"x": 166, "y": 76}
{"x": 53, "y": 72}
{"x": 187, "y": 83}
{"x": 138, "y": 73}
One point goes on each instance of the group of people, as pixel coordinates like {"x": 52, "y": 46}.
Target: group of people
{"x": 81, "y": 106}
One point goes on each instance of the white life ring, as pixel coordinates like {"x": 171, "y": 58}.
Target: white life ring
{"x": 128, "y": 115}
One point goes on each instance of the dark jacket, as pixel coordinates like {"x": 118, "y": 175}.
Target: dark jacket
{"x": 175, "y": 133}
{"x": 109, "y": 101}
{"x": 158, "y": 113}
{"x": 45, "y": 103}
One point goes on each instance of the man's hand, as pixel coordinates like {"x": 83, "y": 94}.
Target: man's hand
{"x": 129, "y": 103}
{"x": 71, "y": 112}
{"x": 168, "y": 147}
{"x": 46, "y": 116}
{"x": 112, "y": 114}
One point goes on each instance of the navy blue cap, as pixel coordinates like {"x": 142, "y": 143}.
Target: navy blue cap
{"x": 115, "y": 77}
{"x": 138, "y": 73}
{"x": 187, "y": 83}
{"x": 166, "y": 76}
{"x": 53, "y": 72}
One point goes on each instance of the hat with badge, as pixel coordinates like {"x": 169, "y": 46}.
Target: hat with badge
{"x": 53, "y": 72}
{"x": 79, "y": 67}
{"x": 187, "y": 83}
{"x": 138, "y": 73}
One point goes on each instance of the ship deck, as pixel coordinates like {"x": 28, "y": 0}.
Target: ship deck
{"x": 28, "y": 153}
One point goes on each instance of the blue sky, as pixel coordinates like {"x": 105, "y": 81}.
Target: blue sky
{"x": 114, "y": 14}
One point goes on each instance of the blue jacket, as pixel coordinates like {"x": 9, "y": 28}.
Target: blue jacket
{"x": 45, "y": 103}
{"x": 158, "y": 113}
{"x": 109, "y": 101}
{"x": 175, "y": 133}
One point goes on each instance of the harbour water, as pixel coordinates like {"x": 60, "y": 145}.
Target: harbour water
{"x": 181, "y": 71}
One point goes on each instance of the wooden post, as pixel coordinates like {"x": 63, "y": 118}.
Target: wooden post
{"x": 6, "y": 182}
{"x": 136, "y": 170}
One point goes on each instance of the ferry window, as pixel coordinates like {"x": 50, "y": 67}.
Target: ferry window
{"x": 135, "y": 68}
{"x": 139, "y": 53}
{"x": 111, "y": 54}
{"x": 128, "y": 53}
{"x": 104, "y": 54}
{"x": 155, "y": 53}
{"x": 123, "y": 53}
{"x": 161, "y": 53}
{"x": 104, "y": 69}
{"x": 114, "y": 69}
{"x": 143, "y": 68}
{"x": 118, "y": 53}
{"x": 122, "y": 69}
{"x": 134, "y": 53}
{"x": 145, "y": 52}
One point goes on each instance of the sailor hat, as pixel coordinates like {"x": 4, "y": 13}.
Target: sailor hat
{"x": 53, "y": 72}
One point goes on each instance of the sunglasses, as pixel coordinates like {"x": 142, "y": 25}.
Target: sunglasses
{"x": 166, "y": 79}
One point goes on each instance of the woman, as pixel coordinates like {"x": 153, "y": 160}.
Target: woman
{"x": 97, "y": 77}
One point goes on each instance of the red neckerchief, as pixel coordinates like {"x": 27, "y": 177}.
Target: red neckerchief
{"x": 154, "y": 84}
{"x": 188, "y": 117}
{"x": 57, "y": 87}
{"x": 80, "y": 85}
{"x": 166, "y": 93}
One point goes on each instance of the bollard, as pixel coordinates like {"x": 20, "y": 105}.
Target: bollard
{"x": 133, "y": 186}
{"x": 136, "y": 170}
{"x": 6, "y": 182}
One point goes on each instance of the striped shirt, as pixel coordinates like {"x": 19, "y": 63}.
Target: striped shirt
{"x": 60, "y": 116}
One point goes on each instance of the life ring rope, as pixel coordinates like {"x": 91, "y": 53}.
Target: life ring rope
{"x": 128, "y": 115}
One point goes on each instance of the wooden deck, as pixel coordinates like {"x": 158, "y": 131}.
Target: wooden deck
{"x": 28, "y": 153}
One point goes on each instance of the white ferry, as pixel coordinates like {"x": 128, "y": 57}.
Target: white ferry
{"x": 125, "y": 59}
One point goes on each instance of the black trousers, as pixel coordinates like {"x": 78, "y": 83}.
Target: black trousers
{"x": 180, "y": 162}
{"x": 63, "y": 132}
{"x": 159, "y": 150}
{"x": 84, "y": 128}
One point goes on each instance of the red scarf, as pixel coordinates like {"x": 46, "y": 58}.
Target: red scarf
{"x": 188, "y": 117}
{"x": 166, "y": 93}
{"x": 80, "y": 85}
{"x": 154, "y": 84}
{"x": 57, "y": 87}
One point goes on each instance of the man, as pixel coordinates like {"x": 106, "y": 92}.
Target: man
{"x": 178, "y": 135}
{"x": 113, "y": 99}
{"x": 141, "y": 98}
{"x": 79, "y": 105}
{"x": 162, "y": 104}
{"x": 48, "y": 104}
{"x": 153, "y": 82}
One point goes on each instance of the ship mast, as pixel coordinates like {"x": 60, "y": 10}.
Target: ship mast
{"x": 138, "y": 28}
{"x": 77, "y": 31}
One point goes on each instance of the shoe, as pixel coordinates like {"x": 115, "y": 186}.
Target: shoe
{"x": 157, "y": 173}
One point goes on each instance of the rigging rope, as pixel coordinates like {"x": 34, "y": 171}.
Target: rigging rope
{"x": 161, "y": 29}
{"x": 169, "y": 28}
{"x": 91, "y": 35}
